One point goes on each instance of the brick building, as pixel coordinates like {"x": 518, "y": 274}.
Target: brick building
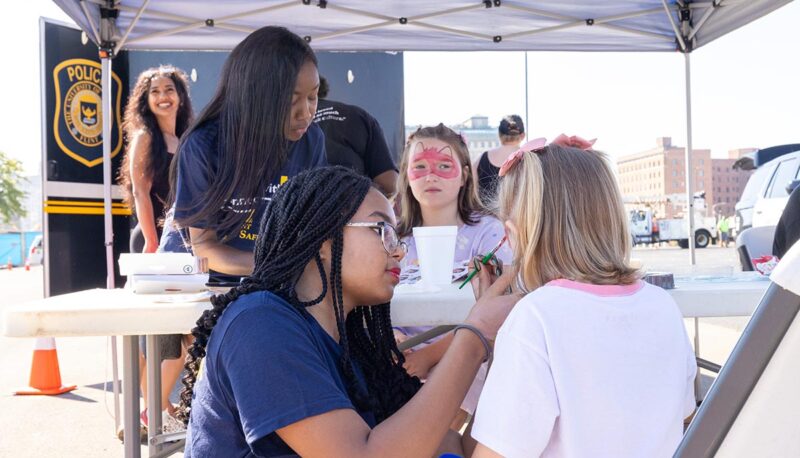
{"x": 729, "y": 183}
{"x": 657, "y": 177}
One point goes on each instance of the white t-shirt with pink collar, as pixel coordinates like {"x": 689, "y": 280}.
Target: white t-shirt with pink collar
{"x": 589, "y": 371}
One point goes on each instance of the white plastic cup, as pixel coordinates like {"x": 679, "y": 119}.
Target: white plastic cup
{"x": 436, "y": 249}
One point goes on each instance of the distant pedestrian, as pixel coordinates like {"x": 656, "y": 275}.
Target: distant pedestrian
{"x": 354, "y": 139}
{"x": 723, "y": 226}
{"x": 511, "y": 132}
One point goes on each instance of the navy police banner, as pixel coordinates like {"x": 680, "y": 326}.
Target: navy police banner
{"x": 74, "y": 112}
{"x": 72, "y": 117}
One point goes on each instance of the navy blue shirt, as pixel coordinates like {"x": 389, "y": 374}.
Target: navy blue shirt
{"x": 198, "y": 164}
{"x": 268, "y": 365}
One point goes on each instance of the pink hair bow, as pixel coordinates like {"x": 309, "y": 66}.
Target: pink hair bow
{"x": 574, "y": 142}
{"x": 511, "y": 161}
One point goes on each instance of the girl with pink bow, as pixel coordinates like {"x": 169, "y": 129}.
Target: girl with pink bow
{"x": 592, "y": 361}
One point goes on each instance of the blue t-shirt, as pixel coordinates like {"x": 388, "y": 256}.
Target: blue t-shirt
{"x": 268, "y": 365}
{"x": 198, "y": 164}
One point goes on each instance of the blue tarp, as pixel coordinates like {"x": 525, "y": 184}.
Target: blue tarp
{"x": 15, "y": 246}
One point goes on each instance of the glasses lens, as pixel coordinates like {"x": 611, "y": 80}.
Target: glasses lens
{"x": 390, "y": 240}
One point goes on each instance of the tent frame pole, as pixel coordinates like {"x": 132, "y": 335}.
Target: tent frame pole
{"x": 89, "y": 19}
{"x": 131, "y": 26}
{"x": 105, "y": 33}
{"x": 527, "y": 119}
{"x": 689, "y": 168}
{"x": 105, "y": 61}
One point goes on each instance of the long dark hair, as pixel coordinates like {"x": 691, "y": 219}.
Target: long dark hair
{"x": 309, "y": 209}
{"x": 468, "y": 202}
{"x": 139, "y": 118}
{"x": 252, "y": 102}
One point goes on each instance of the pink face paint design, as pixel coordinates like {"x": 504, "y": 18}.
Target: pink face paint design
{"x": 433, "y": 161}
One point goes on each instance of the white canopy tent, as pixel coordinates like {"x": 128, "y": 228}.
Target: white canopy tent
{"x": 416, "y": 25}
{"x": 412, "y": 25}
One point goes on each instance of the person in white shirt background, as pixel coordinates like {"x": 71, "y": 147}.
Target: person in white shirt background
{"x": 592, "y": 362}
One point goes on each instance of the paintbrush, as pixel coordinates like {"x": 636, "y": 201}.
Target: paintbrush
{"x": 484, "y": 260}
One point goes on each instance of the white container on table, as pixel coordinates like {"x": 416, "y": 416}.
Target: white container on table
{"x": 436, "y": 248}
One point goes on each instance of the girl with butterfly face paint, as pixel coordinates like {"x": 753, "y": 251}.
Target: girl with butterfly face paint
{"x": 436, "y": 177}
{"x": 437, "y": 188}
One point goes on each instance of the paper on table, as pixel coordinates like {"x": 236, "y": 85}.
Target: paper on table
{"x": 203, "y": 296}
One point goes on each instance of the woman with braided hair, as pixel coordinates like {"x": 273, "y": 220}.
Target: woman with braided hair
{"x": 296, "y": 361}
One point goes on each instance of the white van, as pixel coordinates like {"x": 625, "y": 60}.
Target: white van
{"x": 765, "y": 194}
{"x": 769, "y": 207}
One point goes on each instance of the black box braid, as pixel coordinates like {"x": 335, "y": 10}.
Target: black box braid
{"x": 308, "y": 210}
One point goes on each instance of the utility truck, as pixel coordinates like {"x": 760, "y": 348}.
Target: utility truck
{"x": 646, "y": 228}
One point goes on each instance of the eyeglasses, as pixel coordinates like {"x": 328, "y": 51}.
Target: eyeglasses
{"x": 391, "y": 241}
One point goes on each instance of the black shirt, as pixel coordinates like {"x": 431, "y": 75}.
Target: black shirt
{"x": 787, "y": 232}
{"x": 353, "y": 138}
{"x": 487, "y": 178}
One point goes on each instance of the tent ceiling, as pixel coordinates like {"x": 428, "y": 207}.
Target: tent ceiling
{"x": 415, "y": 25}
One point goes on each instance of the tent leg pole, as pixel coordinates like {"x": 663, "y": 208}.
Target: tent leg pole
{"x": 107, "y": 218}
{"x": 107, "y": 140}
{"x": 115, "y": 381}
{"x": 689, "y": 168}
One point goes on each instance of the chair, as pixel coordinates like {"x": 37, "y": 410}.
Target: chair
{"x": 751, "y": 410}
{"x": 753, "y": 243}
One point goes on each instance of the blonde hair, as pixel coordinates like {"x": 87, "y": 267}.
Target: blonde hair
{"x": 410, "y": 214}
{"x": 570, "y": 218}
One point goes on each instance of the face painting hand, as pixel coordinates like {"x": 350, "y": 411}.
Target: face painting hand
{"x": 427, "y": 161}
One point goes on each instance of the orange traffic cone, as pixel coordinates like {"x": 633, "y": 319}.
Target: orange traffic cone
{"x": 10, "y": 265}
{"x": 45, "y": 374}
{"x": 27, "y": 264}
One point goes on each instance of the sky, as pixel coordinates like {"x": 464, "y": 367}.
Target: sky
{"x": 745, "y": 89}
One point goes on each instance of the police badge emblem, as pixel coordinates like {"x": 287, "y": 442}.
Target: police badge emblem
{"x": 78, "y": 117}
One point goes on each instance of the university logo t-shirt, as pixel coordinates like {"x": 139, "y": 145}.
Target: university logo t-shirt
{"x": 199, "y": 162}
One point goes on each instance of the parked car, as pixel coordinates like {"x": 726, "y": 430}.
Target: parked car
{"x": 36, "y": 252}
{"x": 767, "y": 192}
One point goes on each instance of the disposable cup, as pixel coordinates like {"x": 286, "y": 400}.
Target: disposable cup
{"x": 436, "y": 248}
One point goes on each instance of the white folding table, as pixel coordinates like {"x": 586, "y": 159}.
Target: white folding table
{"x": 101, "y": 312}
